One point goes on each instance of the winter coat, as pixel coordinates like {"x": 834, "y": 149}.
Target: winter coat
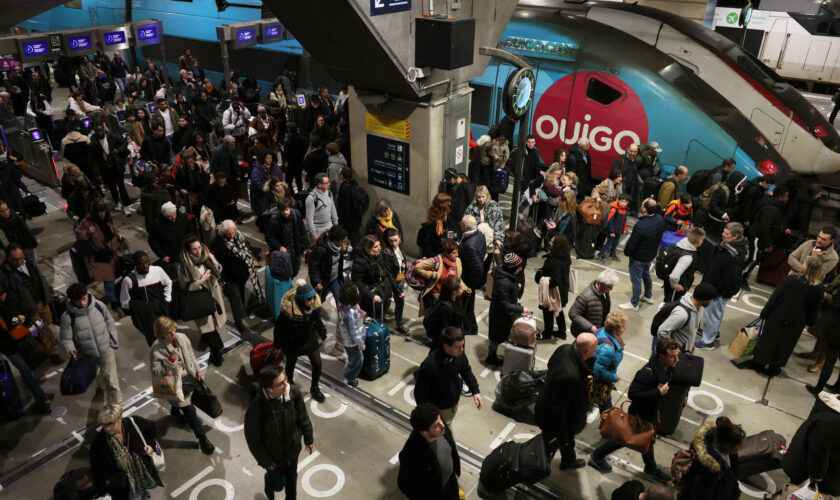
{"x": 579, "y": 162}
{"x": 724, "y": 271}
{"x": 461, "y": 195}
{"x": 222, "y": 201}
{"x": 562, "y": 404}
{"x": 156, "y": 149}
{"x": 16, "y": 230}
{"x": 440, "y": 378}
{"x": 426, "y": 269}
{"x": 167, "y": 237}
{"x": 644, "y": 240}
{"x": 793, "y": 304}
{"x": 335, "y": 163}
{"x": 558, "y": 270}
{"x": 814, "y": 451}
{"x": 493, "y": 216}
{"x": 419, "y": 475}
{"x": 290, "y": 233}
{"x": 602, "y": 191}
{"x": 152, "y": 197}
{"x": 669, "y": 191}
{"x": 629, "y": 174}
{"x": 273, "y": 429}
{"x": 471, "y": 252}
{"x": 373, "y": 227}
{"x": 217, "y": 320}
{"x": 186, "y": 364}
{"x": 295, "y": 331}
{"x": 504, "y": 307}
{"x": 234, "y": 270}
{"x": 768, "y": 224}
{"x": 589, "y": 309}
{"x": 442, "y": 314}
{"x": 797, "y": 258}
{"x": 644, "y": 390}
{"x": 112, "y": 165}
{"x": 608, "y": 356}
{"x": 682, "y": 324}
{"x": 350, "y": 329}
{"x": 345, "y": 206}
{"x": 102, "y": 271}
{"x": 225, "y": 160}
{"x": 616, "y": 219}
{"x": 371, "y": 276}
{"x": 710, "y": 477}
{"x": 798, "y": 214}
{"x": 259, "y": 177}
{"x": 108, "y": 478}
{"x": 825, "y": 327}
{"x": 320, "y": 264}
{"x": 87, "y": 331}
{"x": 749, "y": 201}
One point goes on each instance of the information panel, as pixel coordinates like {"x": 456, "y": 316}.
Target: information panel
{"x": 79, "y": 43}
{"x": 244, "y": 36}
{"x": 114, "y": 38}
{"x": 35, "y": 48}
{"x": 148, "y": 34}
{"x": 379, "y": 7}
{"x": 388, "y": 165}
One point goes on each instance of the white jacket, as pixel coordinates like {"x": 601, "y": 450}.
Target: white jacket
{"x": 236, "y": 122}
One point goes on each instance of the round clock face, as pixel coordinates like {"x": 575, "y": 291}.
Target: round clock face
{"x": 519, "y": 92}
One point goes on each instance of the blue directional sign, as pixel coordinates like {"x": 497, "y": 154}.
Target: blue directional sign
{"x": 80, "y": 43}
{"x": 388, "y": 165}
{"x": 246, "y": 35}
{"x": 35, "y": 48}
{"x": 148, "y": 34}
{"x": 273, "y": 31}
{"x": 379, "y": 7}
{"x": 115, "y": 38}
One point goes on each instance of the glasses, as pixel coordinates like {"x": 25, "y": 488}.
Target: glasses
{"x": 278, "y": 386}
{"x": 109, "y": 424}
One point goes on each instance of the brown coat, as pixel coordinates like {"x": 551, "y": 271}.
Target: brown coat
{"x": 602, "y": 191}
{"x": 426, "y": 270}
{"x": 102, "y": 271}
{"x": 796, "y": 260}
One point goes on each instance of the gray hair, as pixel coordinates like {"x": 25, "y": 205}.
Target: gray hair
{"x": 735, "y": 228}
{"x": 608, "y": 277}
{"x": 583, "y": 142}
{"x": 229, "y": 139}
{"x": 260, "y": 108}
{"x": 468, "y": 221}
{"x": 226, "y": 226}
{"x": 110, "y": 413}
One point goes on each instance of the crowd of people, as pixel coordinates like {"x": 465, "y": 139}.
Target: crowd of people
{"x": 199, "y": 151}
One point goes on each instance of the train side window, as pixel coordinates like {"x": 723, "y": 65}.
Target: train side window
{"x": 481, "y": 103}
{"x": 601, "y": 92}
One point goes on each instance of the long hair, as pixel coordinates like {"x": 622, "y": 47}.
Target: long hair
{"x": 441, "y": 206}
{"x": 812, "y": 271}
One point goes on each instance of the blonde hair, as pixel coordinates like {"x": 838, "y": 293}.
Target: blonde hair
{"x": 551, "y": 170}
{"x": 571, "y": 201}
{"x": 110, "y": 413}
{"x": 615, "y": 320}
{"x": 163, "y": 325}
{"x": 573, "y": 176}
{"x": 481, "y": 190}
{"x": 812, "y": 271}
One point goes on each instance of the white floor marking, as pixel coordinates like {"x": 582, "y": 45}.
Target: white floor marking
{"x": 306, "y": 461}
{"x": 415, "y": 363}
{"x": 402, "y": 383}
{"x": 395, "y": 459}
{"x": 196, "y": 478}
{"x": 502, "y": 435}
{"x": 230, "y": 493}
{"x": 306, "y": 481}
{"x": 139, "y": 366}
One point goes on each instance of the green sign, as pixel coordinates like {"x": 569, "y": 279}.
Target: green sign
{"x": 732, "y": 18}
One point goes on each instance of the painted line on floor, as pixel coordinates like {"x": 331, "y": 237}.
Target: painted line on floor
{"x": 502, "y": 435}
{"x": 395, "y": 459}
{"x": 402, "y": 383}
{"x": 415, "y": 363}
{"x": 306, "y": 461}
{"x": 190, "y": 482}
{"x": 139, "y": 366}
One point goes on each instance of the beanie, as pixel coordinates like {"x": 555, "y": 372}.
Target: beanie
{"x": 705, "y": 291}
{"x": 304, "y": 290}
{"x": 512, "y": 261}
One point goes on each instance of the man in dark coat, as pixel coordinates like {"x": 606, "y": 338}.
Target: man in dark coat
{"x": 626, "y": 164}
{"x": 110, "y": 152}
{"x": 349, "y": 213}
{"x": 579, "y": 162}
{"x": 724, "y": 272}
{"x": 814, "y": 451}
{"x": 798, "y": 215}
{"x": 286, "y": 232}
{"x": 429, "y": 461}
{"x": 15, "y": 230}
{"x": 275, "y": 422}
{"x": 326, "y": 263}
{"x": 590, "y": 309}
{"x": 152, "y": 198}
{"x": 560, "y": 411}
{"x": 764, "y": 234}
{"x": 443, "y": 373}
{"x": 642, "y": 248}
{"x": 533, "y": 163}
{"x": 458, "y": 187}
{"x": 294, "y": 150}
{"x": 720, "y": 173}
{"x": 316, "y": 161}
{"x": 235, "y": 273}
{"x": 752, "y": 198}
{"x": 504, "y": 306}
{"x": 471, "y": 251}
{"x": 507, "y": 127}
{"x": 167, "y": 236}
{"x": 223, "y": 159}
{"x": 220, "y": 198}
{"x": 25, "y": 271}
{"x": 156, "y": 147}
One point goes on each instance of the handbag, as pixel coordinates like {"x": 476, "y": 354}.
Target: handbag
{"x": 523, "y": 333}
{"x": 166, "y": 386}
{"x": 747, "y": 337}
{"x": 198, "y": 304}
{"x": 599, "y": 390}
{"x": 157, "y": 454}
{"x": 590, "y": 212}
{"x": 629, "y": 430}
{"x": 204, "y": 399}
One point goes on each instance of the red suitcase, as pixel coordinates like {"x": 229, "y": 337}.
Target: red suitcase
{"x": 265, "y": 354}
{"x": 774, "y": 267}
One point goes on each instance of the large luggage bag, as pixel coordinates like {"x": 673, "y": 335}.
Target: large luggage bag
{"x": 517, "y": 390}
{"x": 518, "y": 359}
{"x": 10, "y": 405}
{"x": 76, "y": 484}
{"x": 274, "y": 291}
{"x": 762, "y": 453}
{"x": 377, "y": 353}
{"x": 670, "y": 408}
{"x": 585, "y": 238}
{"x": 77, "y": 377}
{"x": 512, "y": 463}
{"x": 689, "y": 370}
{"x": 773, "y": 267}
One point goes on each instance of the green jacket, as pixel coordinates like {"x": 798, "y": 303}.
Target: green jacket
{"x": 273, "y": 429}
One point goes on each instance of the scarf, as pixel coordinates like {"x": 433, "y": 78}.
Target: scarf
{"x": 190, "y": 264}
{"x": 129, "y": 463}
{"x": 105, "y": 228}
{"x": 385, "y": 223}
{"x": 240, "y": 249}
{"x": 449, "y": 269}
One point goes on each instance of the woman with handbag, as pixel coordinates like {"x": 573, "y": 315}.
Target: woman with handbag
{"x": 200, "y": 275}
{"x": 175, "y": 374}
{"x": 237, "y": 262}
{"x": 435, "y": 271}
{"x": 445, "y": 312}
{"x": 607, "y": 358}
{"x": 557, "y": 268}
{"x": 105, "y": 241}
{"x": 371, "y": 275}
{"x": 121, "y": 460}
{"x": 397, "y": 264}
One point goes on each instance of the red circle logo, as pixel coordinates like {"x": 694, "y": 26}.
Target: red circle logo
{"x": 593, "y": 105}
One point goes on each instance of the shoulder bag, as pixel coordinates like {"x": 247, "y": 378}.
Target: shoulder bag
{"x": 157, "y": 453}
{"x": 627, "y": 429}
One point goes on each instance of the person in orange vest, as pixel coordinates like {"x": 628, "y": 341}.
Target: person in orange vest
{"x": 679, "y": 213}
{"x": 615, "y": 224}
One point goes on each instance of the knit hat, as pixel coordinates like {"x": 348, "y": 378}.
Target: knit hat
{"x": 512, "y": 261}
{"x": 168, "y": 209}
{"x": 304, "y": 290}
{"x": 705, "y": 291}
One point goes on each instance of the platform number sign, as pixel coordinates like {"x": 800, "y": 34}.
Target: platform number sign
{"x": 379, "y": 7}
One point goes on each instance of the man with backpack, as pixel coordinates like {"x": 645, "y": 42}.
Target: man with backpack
{"x": 720, "y": 173}
{"x": 717, "y": 203}
{"x": 641, "y": 248}
{"x": 679, "y": 214}
{"x": 326, "y": 264}
{"x": 764, "y": 234}
{"x": 352, "y": 204}
{"x": 675, "y": 264}
{"x": 680, "y": 319}
{"x": 146, "y": 294}
{"x": 321, "y": 214}
{"x": 670, "y": 188}
{"x": 286, "y": 232}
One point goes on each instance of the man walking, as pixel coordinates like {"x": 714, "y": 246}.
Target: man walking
{"x": 321, "y": 214}
{"x": 146, "y": 293}
{"x": 429, "y": 461}
{"x": 641, "y": 248}
{"x": 684, "y": 320}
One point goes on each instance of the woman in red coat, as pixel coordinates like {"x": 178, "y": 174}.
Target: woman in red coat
{"x": 105, "y": 241}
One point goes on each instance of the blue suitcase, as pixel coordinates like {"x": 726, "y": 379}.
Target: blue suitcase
{"x": 10, "y": 406}
{"x": 377, "y": 353}
{"x": 274, "y": 292}
{"x": 77, "y": 377}
{"x": 671, "y": 238}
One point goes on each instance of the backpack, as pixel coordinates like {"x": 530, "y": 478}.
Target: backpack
{"x": 697, "y": 183}
{"x": 681, "y": 466}
{"x": 414, "y": 281}
{"x": 280, "y": 265}
{"x": 706, "y": 197}
{"x": 361, "y": 200}
{"x": 667, "y": 259}
{"x": 663, "y": 314}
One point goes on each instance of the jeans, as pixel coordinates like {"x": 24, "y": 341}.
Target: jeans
{"x": 712, "y": 319}
{"x": 354, "y": 363}
{"x": 611, "y": 245}
{"x": 610, "y": 446}
{"x": 110, "y": 291}
{"x": 640, "y": 273}
{"x": 121, "y": 84}
{"x": 283, "y": 476}
{"x": 399, "y": 303}
{"x": 193, "y": 421}
{"x": 27, "y": 376}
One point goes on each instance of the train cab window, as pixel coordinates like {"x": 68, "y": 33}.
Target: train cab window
{"x": 601, "y": 92}
{"x": 481, "y": 103}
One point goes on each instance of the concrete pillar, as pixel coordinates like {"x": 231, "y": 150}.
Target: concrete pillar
{"x": 427, "y": 144}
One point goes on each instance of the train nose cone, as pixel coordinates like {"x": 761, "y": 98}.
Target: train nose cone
{"x": 828, "y": 162}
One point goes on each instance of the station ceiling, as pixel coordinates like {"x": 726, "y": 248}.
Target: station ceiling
{"x": 17, "y": 11}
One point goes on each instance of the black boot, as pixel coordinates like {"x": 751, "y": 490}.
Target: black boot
{"x": 216, "y": 359}
{"x": 206, "y": 446}
{"x": 317, "y": 395}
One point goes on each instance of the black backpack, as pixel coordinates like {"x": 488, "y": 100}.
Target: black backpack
{"x": 667, "y": 258}
{"x": 663, "y": 314}
{"x": 494, "y": 131}
{"x": 361, "y": 200}
{"x": 697, "y": 183}
{"x": 280, "y": 265}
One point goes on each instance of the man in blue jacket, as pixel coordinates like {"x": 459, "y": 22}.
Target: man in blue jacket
{"x": 642, "y": 248}
{"x": 472, "y": 250}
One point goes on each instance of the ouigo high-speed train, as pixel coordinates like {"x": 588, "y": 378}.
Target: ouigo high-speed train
{"x": 800, "y": 132}
{"x": 597, "y": 82}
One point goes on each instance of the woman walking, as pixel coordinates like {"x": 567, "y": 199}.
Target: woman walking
{"x": 200, "y": 271}
{"x": 105, "y": 241}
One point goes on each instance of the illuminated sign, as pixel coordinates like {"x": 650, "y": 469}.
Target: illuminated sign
{"x": 115, "y": 38}
{"x": 7, "y": 63}
{"x": 379, "y": 7}
{"x": 246, "y": 36}
{"x": 79, "y": 42}
{"x": 35, "y": 48}
{"x": 546, "y": 47}
{"x": 148, "y": 34}
{"x": 36, "y": 135}
{"x": 272, "y": 31}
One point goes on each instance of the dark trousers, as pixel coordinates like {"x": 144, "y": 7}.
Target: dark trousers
{"x": 295, "y": 175}
{"x": 314, "y": 360}
{"x": 214, "y": 342}
{"x": 236, "y": 295}
{"x": 828, "y": 367}
{"x": 548, "y": 323}
{"x": 192, "y": 419}
{"x": 834, "y": 113}
{"x": 118, "y": 192}
{"x": 611, "y": 446}
{"x": 468, "y": 305}
{"x": 282, "y": 477}
{"x": 670, "y": 293}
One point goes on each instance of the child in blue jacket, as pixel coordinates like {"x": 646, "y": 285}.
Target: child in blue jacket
{"x": 615, "y": 224}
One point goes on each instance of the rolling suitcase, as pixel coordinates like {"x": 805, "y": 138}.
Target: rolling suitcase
{"x": 274, "y": 292}
{"x": 773, "y": 267}
{"x": 689, "y": 370}
{"x": 10, "y": 406}
{"x": 76, "y": 484}
{"x": 377, "y": 353}
{"x": 512, "y": 463}
{"x": 585, "y": 239}
{"x": 670, "y": 408}
{"x": 265, "y": 354}
{"x": 762, "y": 453}
{"x": 518, "y": 359}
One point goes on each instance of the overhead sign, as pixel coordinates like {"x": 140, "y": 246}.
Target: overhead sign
{"x": 730, "y": 18}
{"x": 550, "y": 48}
{"x": 379, "y": 7}
{"x": 114, "y": 38}
{"x": 384, "y": 125}
{"x": 388, "y": 165}
{"x": 243, "y": 36}
{"x": 271, "y": 32}
{"x": 79, "y": 43}
{"x": 147, "y": 34}
{"x": 34, "y": 49}
{"x": 7, "y": 63}
{"x": 246, "y": 35}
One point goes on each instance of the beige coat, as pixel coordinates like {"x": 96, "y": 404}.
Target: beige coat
{"x": 602, "y": 191}
{"x": 217, "y": 320}
{"x": 797, "y": 259}
{"x": 185, "y": 365}
{"x": 426, "y": 270}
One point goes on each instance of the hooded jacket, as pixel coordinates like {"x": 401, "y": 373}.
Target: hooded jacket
{"x": 711, "y": 478}
{"x": 296, "y": 331}
{"x": 724, "y": 271}
{"x": 682, "y": 324}
{"x": 616, "y": 219}
{"x": 88, "y": 331}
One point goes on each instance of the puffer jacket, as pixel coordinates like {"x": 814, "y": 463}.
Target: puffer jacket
{"x": 492, "y": 215}
{"x": 710, "y": 477}
{"x": 350, "y": 330}
{"x": 295, "y": 331}
{"x": 607, "y": 357}
{"x": 588, "y": 310}
{"x": 91, "y": 333}
{"x": 186, "y": 364}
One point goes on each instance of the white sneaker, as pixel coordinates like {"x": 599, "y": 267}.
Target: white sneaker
{"x": 646, "y": 300}
{"x": 628, "y": 306}
{"x": 593, "y": 415}
{"x": 127, "y": 211}
{"x": 118, "y": 208}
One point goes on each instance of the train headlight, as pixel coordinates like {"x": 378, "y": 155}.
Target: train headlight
{"x": 819, "y": 132}
{"x": 767, "y": 167}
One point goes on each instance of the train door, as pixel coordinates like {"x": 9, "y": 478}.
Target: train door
{"x": 768, "y": 126}
{"x": 774, "y": 44}
{"x": 817, "y": 56}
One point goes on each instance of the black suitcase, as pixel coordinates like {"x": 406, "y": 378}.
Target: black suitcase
{"x": 761, "y": 453}
{"x": 33, "y": 206}
{"x": 512, "y": 463}
{"x": 81, "y": 268}
{"x": 670, "y": 408}
{"x": 76, "y": 484}
{"x": 585, "y": 239}
{"x": 689, "y": 371}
